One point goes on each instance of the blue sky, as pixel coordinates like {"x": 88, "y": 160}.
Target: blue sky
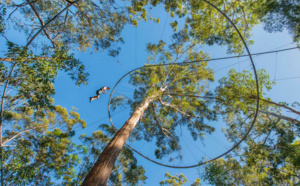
{"x": 106, "y": 71}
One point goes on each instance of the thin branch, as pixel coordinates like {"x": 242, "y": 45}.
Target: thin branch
{"x": 267, "y": 137}
{"x": 46, "y": 25}
{"x": 9, "y": 16}
{"x": 42, "y": 23}
{"x": 247, "y": 26}
{"x": 162, "y": 128}
{"x": 19, "y": 5}
{"x": 170, "y": 69}
{"x": 190, "y": 47}
{"x": 87, "y": 17}
{"x": 8, "y": 140}
{"x": 280, "y": 116}
{"x": 280, "y": 105}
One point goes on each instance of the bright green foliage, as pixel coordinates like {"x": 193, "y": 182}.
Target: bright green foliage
{"x": 209, "y": 26}
{"x": 126, "y": 170}
{"x": 178, "y": 180}
{"x": 38, "y": 148}
{"x": 197, "y": 182}
{"x": 171, "y": 108}
{"x": 270, "y": 154}
{"x": 34, "y": 75}
{"x": 174, "y": 180}
{"x": 37, "y": 136}
{"x": 236, "y": 99}
{"x": 42, "y": 133}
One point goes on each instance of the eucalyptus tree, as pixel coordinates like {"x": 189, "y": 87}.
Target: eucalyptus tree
{"x": 37, "y": 137}
{"x": 162, "y": 113}
{"x": 98, "y": 25}
{"x": 270, "y": 155}
{"x": 27, "y": 78}
{"x": 126, "y": 170}
{"x": 32, "y": 126}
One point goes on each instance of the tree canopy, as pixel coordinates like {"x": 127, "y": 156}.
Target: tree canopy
{"x": 37, "y": 136}
{"x": 270, "y": 154}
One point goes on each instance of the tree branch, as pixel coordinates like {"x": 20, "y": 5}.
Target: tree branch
{"x": 10, "y": 73}
{"x": 188, "y": 48}
{"x": 8, "y": 140}
{"x": 170, "y": 69}
{"x": 46, "y": 25}
{"x": 280, "y": 105}
{"x": 42, "y": 23}
{"x": 87, "y": 17}
{"x": 281, "y": 117}
{"x": 162, "y": 128}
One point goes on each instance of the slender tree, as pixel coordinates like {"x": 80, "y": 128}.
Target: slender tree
{"x": 126, "y": 170}
{"x": 151, "y": 104}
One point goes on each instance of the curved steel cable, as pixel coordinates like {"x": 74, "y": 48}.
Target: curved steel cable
{"x": 257, "y": 97}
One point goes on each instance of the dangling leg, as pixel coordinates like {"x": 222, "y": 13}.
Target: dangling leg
{"x": 94, "y": 97}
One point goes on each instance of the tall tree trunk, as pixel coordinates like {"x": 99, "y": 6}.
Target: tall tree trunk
{"x": 99, "y": 174}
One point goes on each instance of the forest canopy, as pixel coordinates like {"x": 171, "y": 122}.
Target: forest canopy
{"x": 40, "y": 144}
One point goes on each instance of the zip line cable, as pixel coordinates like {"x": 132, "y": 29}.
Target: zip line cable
{"x": 261, "y": 53}
{"x": 164, "y": 27}
{"x": 275, "y": 67}
{"x": 287, "y": 78}
{"x": 221, "y": 58}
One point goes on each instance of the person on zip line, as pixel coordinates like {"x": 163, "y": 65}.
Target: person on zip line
{"x": 102, "y": 90}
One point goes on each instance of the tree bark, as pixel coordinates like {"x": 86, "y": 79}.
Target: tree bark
{"x": 99, "y": 174}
